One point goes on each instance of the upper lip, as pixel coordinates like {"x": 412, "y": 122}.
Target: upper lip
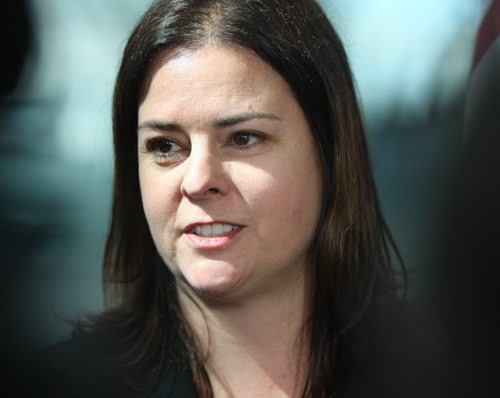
{"x": 190, "y": 227}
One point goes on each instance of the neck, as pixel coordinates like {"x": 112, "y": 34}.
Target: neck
{"x": 254, "y": 347}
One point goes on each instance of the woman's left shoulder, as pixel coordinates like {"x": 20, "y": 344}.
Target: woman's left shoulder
{"x": 399, "y": 352}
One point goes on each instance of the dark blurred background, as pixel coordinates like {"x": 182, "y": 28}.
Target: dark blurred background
{"x": 58, "y": 65}
{"x": 412, "y": 62}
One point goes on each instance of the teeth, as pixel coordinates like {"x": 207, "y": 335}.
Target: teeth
{"x": 206, "y": 230}
{"x": 209, "y": 230}
{"x": 217, "y": 229}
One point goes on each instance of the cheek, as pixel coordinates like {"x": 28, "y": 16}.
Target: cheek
{"x": 157, "y": 198}
{"x": 284, "y": 196}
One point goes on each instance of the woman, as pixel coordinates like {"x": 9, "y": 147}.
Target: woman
{"x": 246, "y": 238}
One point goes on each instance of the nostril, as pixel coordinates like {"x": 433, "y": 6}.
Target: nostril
{"x": 213, "y": 190}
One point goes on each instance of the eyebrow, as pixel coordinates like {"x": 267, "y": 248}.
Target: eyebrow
{"x": 243, "y": 117}
{"x": 157, "y": 125}
{"x": 220, "y": 123}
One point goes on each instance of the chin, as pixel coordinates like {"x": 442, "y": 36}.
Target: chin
{"x": 211, "y": 292}
{"x": 211, "y": 286}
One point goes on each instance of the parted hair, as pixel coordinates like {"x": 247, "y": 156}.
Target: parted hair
{"x": 350, "y": 266}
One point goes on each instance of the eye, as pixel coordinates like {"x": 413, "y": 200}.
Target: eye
{"x": 164, "y": 148}
{"x": 245, "y": 139}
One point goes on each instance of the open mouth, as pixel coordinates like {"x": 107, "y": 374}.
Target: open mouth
{"x": 213, "y": 230}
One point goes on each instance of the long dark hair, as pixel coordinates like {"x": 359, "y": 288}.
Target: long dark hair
{"x": 351, "y": 271}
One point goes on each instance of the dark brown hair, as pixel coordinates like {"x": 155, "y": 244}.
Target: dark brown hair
{"x": 351, "y": 269}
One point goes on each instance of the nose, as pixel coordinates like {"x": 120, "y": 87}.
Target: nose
{"x": 205, "y": 175}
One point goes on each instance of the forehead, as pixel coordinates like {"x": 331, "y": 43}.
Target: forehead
{"x": 224, "y": 71}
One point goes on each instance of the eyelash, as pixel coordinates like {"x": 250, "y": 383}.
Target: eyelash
{"x": 154, "y": 145}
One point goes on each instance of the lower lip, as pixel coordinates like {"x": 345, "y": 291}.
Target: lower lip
{"x": 212, "y": 242}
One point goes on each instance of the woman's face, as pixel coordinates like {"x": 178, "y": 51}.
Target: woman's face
{"x": 229, "y": 173}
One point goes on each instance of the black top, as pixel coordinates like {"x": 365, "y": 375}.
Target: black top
{"x": 82, "y": 368}
{"x": 400, "y": 357}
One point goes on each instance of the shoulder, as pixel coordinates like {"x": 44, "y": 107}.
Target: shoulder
{"x": 88, "y": 366}
{"x": 73, "y": 368}
{"x": 401, "y": 352}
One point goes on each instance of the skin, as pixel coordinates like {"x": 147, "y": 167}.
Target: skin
{"x": 269, "y": 185}
{"x": 221, "y": 138}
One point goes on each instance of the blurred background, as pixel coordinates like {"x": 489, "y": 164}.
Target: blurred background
{"x": 411, "y": 60}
